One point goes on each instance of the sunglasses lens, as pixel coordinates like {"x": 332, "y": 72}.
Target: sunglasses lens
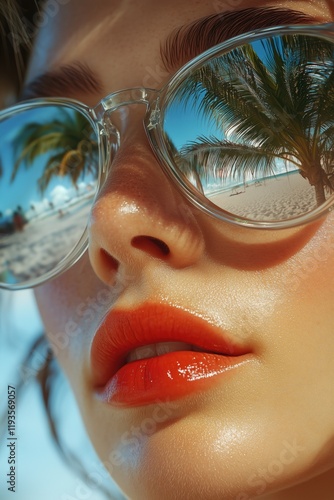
{"x": 48, "y": 179}
{"x": 252, "y": 129}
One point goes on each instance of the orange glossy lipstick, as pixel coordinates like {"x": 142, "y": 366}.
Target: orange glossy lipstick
{"x": 156, "y": 352}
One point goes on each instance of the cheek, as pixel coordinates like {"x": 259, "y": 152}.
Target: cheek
{"x": 72, "y": 306}
{"x": 308, "y": 277}
{"x": 300, "y": 327}
{"x": 299, "y": 336}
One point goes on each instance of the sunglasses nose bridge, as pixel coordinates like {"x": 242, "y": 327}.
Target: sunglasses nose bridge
{"x": 115, "y": 107}
{"x": 121, "y": 98}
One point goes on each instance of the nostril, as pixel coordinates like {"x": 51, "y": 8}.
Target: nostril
{"x": 108, "y": 261}
{"x": 150, "y": 245}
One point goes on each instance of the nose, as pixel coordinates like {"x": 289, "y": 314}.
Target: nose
{"x": 140, "y": 217}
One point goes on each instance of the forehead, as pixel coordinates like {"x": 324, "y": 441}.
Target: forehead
{"x": 104, "y": 31}
{"x": 121, "y": 39}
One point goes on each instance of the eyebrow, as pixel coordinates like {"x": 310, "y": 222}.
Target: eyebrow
{"x": 67, "y": 80}
{"x": 188, "y": 41}
{"x": 182, "y": 45}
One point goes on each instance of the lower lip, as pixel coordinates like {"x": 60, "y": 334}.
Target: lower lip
{"x": 170, "y": 376}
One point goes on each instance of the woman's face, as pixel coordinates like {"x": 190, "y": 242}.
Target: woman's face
{"x": 256, "y": 424}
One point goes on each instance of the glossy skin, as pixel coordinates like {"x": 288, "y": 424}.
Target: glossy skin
{"x": 267, "y": 430}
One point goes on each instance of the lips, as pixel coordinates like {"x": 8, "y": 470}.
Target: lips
{"x": 157, "y": 352}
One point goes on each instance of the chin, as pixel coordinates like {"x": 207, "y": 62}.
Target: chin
{"x": 198, "y": 452}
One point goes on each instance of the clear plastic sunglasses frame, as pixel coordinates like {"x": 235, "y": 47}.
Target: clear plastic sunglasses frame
{"x": 156, "y": 102}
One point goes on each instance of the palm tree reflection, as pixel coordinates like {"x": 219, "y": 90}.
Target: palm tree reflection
{"x": 58, "y": 148}
{"x": 274, "y": 102}
{"x": 68, "y": 140}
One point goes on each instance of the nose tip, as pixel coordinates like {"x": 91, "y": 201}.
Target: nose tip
{"x": 140, "y": 217}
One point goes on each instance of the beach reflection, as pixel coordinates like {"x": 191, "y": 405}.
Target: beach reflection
{"x": 43, "y": 243}
{"x": 273, "y": 198}
{"x": 49, "y": 167}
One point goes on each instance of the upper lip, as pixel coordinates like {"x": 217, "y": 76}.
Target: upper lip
{"x": 123, "y": 330}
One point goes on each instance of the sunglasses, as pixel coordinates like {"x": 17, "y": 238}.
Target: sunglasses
{"x": 245, "y": 131}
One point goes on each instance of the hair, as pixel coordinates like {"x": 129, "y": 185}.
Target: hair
{"x": 15, "y": 42}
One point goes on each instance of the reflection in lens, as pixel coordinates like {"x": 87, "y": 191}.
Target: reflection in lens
{"x": 253, "y": 129}
{"x": 48, "y": 179}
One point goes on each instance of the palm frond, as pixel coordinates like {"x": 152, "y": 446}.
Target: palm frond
{"x": 38, "y": 146}
{"x": 227, "y": 160}
{"x": 50, "y": 171}
{"x": 61, "y": 134}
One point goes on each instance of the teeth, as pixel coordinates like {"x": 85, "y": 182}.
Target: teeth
{"x": 149, "y": 351}
{"x": 166, "y": 347}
